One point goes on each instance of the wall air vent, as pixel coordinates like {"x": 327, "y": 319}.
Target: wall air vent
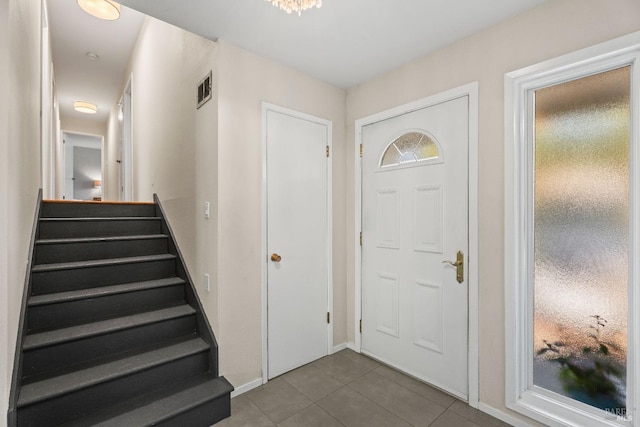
{"x": 204, "y": 90}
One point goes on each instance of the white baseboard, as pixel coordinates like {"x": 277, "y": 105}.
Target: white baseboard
{"x": 352, "y": 346}
{"x": 496, "y": 413}
{"x": 339, "y": 347}
{"x": 246, "y": 387}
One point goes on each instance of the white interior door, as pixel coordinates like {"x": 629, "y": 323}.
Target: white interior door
{"x": 126, "y": 146}
{"x": 68, "y": 166}
{"x": 297, "y": 241}
{"x": 414, "y": 220}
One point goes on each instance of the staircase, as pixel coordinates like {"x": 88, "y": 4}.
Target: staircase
{"x": 112, "y": 331}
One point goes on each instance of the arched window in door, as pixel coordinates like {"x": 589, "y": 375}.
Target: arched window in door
{"x": 411, "y": 147}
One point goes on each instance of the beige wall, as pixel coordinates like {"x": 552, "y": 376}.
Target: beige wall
{"x": 245, "y": 80}
{"x": 19, "y": 166}
{"x": 206, "y": 185}
{"x": 177, "y": 155}
{"x": 552, "y": 29}
{"x": 174, "y": 144}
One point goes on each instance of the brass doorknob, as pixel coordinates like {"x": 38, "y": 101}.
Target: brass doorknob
{"x": 275, "y": 257}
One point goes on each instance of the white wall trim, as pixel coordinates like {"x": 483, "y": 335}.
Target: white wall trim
{"x": 339, "y": 347}
{"x": 127, "y": 190}
{"x": 266, "y": 107}
{"x": 470, "y": 90}
{"x": 63, "y": 161}
{"x": 352, "y": 346}
{"x": 47, "y": 127}
{"x": 241, "y": 389}
{"x": 532, "y": 401}
{"x": 496, "y": 413}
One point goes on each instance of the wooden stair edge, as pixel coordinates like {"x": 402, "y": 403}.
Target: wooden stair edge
{"x": 103, "y": 202}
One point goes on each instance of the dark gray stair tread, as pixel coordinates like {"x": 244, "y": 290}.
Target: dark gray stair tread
{"x": 165, "y": 404}
{"x": 78, "y": 380}
{"x": 100, "y": 239}
{"x": 58, "y": 336}
{"x": 101, "y": 218}
{"x": 102, "y": 291}
{"x": 100, "y": 262}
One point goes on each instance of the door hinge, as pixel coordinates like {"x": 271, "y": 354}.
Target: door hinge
{"x": 327, "y": 151}
{"x": 361, "y": 150}
{"x": 328, "y": 317}
{"x": 361, "y": 238}
{"x": 360, "y": 325}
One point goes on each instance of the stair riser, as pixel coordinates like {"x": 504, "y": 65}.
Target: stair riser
{"x": 69, "y": 252}
{"x": 77, "y": 210}
{"x": 73, "y": 405}
{"x": 61, "y": 356}
{"x": 76, "y": 229}
{"x": 60, "y": 315}
{"x": 92, "y": 277}
{"x": 206, "y": 414}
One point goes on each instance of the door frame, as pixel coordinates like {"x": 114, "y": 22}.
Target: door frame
{"x": 64, "y": 132}
{"x": 125, "y": 174}
{"x": 532, "y": 401}
{"x": 266, "y": 107}
{"x": 470, "y": 90}
{"x": 47, "y": 124}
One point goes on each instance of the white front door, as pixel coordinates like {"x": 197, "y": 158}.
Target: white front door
{"x": 297, "y": 240}
{"x": 414, "y": 223}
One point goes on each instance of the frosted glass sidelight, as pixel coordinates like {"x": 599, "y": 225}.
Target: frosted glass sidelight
{"x": 581, "y": 238}
{"x": 410, "y": 148}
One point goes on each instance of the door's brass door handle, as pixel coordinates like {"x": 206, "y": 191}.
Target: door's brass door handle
{"x": 459, "y": 265}
{"x": 275, "y": 257}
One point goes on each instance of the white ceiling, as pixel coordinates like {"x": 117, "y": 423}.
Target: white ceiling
{"x": 73, "y": 34}
{"x": 345, "y": 43}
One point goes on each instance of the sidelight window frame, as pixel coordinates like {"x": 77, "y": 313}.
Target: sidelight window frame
{"x": 521, "y": 395}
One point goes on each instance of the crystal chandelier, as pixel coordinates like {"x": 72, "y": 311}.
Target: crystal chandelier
{"x": 295, "y": 5}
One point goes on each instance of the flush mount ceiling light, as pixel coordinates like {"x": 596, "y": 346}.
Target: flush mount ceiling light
{"x": 103, "y": 9}
{"x": 85, "y": 107}
{"x": 296, "y": 5}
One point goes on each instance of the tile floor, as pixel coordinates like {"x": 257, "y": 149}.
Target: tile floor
{"x": 348, "y": 389}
